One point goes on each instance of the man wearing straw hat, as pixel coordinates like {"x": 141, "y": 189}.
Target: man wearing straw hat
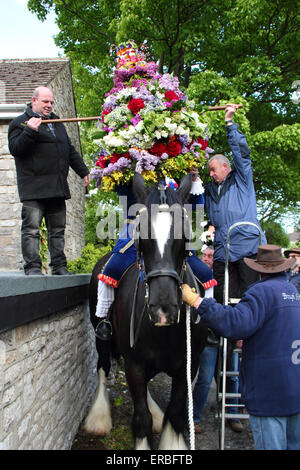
{"x": 43, "y": 154}
{"x": 268, "y": 320}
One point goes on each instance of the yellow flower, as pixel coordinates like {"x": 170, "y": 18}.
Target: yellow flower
{"x": 107, "y": 184}
{"x": 117, "y": 176}
{"x": 149, "y": 176}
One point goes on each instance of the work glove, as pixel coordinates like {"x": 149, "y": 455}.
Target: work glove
{"x": 189, "y": 295}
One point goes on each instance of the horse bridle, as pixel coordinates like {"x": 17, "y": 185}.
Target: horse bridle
{"x": 162, "y": 207}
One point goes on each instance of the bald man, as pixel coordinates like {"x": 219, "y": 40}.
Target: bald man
{"x": 43, "y": 154}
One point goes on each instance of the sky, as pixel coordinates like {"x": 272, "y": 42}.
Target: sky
{"x": 23, "y": 36}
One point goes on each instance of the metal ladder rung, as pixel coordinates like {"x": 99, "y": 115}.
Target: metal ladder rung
{"x": 230, "y": 373}
{"x": 236, "y": 416}
{"x": 230, "y": 395}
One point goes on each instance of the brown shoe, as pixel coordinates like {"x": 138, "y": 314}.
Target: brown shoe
{"x": 236, "y": 425}
{"x": 197, "y": 428}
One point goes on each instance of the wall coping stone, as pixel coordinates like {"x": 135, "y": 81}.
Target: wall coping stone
{"x": 17, "y": 283}
{"x": 24, "y": 299}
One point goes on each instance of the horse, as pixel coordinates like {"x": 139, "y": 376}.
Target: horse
{"x": 149, "y": 321}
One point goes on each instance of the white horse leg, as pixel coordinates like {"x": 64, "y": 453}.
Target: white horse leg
{"x": 157, "y": 414}
{"x": 98, "y": 421}
{"x": 170, "y": 440}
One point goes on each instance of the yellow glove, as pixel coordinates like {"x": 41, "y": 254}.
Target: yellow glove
{"x": 189, "y": 295}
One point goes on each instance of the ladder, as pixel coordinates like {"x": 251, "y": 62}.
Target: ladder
{"x": 222, "y": 372}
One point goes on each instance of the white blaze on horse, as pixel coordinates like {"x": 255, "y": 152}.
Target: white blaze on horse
{"x": 149, "y": 321}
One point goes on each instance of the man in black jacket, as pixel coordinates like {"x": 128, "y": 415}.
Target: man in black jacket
{"x": 43, "y": 154}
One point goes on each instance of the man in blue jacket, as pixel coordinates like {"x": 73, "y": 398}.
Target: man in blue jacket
{"x": 268, "y": 320}
{"x": 229, "y": 199}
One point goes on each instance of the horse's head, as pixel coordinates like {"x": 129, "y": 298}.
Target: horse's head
{"x": 162, "y": 230}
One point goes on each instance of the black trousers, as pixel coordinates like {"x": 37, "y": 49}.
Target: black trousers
{"x": 33, "y": 211}
{"x": 240, "y": 278}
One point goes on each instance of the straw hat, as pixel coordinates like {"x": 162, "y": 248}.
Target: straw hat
{"x": 269, "y": 260}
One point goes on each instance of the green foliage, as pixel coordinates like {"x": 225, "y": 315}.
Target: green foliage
{"x": 222, "y": 50}
{"x": 120, "y": 438}
{"x": 43, "y": 246}
{"x": 90, "y": 255}
{"x": 275, "y": 234}
{"x": 100, "y": 206}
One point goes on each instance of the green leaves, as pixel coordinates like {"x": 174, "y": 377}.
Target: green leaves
{"x": 222, "y": 50}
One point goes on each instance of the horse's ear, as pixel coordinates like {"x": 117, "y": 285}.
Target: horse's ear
{"x": 185, "y": 187}
{"x": 139, "y": 188}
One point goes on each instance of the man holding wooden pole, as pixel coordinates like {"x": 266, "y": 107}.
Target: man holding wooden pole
{"x": 43, "y": 155}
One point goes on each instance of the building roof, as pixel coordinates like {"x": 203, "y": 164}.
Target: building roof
{"x": 19, "y": 77}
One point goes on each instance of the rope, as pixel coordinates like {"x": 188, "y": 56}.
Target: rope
{"x": 188, "y": 378}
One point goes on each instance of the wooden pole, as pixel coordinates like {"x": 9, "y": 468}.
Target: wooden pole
{"x": 219, "y": 108}
{"x": 96, "y": 118}
{"x": 53, "y": 121}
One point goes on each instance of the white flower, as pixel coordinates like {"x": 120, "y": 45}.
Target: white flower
{"x": 171, "y": 127}
{"x": 140, "y": 126}
{"x": 125, "y": 93}
{"x": 113, "y": 141}
{"x": 181, "y": 131}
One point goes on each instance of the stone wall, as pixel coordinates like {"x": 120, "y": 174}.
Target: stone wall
{"x": 10, "y": 207}
{"x": 47, "y": 379}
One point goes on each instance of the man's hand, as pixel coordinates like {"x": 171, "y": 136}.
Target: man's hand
{"x": 230, "y": 110}
{"x": 34, "y": 123}
{"x": 189, "y": 295}
{"x": 86, "y": 180}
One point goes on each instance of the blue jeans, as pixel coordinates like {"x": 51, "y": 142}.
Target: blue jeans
{"x": 207, "y": 364}
{"x": 276, "y": 433}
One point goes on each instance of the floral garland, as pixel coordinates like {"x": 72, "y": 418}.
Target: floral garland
{"x": 148, "y": 126}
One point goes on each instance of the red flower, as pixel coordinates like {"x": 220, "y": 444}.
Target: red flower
{"x": 173, "y": 148}
{"x": 204, "y": 143}
{"x": 104, "y": 113}
{"x": 114, "y": 157}
{"x": 135, "y": 105}
{"x": 126, "y": 155}
{"x": 101, "y": 162}
{"x": 171, "y": 96}
{"x": 158, "y": 149}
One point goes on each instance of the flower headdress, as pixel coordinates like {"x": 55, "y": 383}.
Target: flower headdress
{"x": 148, "y": 125}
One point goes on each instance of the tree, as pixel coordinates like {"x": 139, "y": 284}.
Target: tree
{"x": 275, "y": 234}
{"x": 238, "y": 50}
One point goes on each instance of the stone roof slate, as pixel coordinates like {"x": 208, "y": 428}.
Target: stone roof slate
{"x": 19, "y": 77}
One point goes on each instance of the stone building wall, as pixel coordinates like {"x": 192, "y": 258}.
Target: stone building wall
{"x": 47, "y": 380}
{"x": 10, "y": 207}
